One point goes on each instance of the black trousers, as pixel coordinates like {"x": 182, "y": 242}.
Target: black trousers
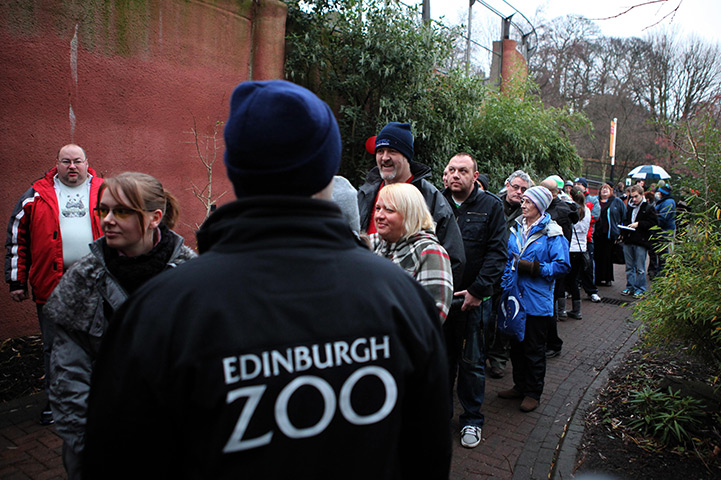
{"x": 529, "y": 358}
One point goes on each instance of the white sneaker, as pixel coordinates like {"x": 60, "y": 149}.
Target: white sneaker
{"x": 470, "y": 436}
{"x": 595, "y": 298}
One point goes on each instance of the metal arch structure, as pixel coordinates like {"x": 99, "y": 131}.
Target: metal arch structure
{"x": 529, "y": 39}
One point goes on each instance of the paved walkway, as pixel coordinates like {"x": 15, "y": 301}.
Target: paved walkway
{"x": 516, "y": 445}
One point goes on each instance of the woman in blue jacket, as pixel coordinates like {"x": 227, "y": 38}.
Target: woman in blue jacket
{"x": 537, "y": 254}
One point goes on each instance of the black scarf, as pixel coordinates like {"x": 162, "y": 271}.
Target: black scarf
{"x": 132, "y": 272}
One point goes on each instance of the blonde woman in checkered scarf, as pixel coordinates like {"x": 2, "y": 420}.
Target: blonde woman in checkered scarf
{"x": 406, "y": 236}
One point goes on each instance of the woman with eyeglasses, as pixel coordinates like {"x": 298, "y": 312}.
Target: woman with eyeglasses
{"x": 136, "y": 215}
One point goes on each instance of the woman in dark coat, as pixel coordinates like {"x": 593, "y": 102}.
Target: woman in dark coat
{"x": 136, "y": 215}
{"x": 606, "y": 234}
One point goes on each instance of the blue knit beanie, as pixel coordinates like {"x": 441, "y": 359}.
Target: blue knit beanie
{"x": 666, "y": 189}
{"x": 397, "y": 136}
{"x": 540, "y": 196}
{"x": 582, "y": 181}
{"x": 280, "y": 139}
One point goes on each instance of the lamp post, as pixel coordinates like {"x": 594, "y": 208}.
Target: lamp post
{"x": 612, "y": 147}
{"x": 426, "y": 11}
{"x": 468, "y": 40}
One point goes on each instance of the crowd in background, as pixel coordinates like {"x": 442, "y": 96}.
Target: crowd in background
{"x": 303, "y": 262}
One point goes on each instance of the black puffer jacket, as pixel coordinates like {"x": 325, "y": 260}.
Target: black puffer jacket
{"x": 286, "y": 350}
{"x": 565, "y": 214}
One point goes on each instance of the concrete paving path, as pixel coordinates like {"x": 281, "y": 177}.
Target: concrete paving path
{"x": 516, "y": 446}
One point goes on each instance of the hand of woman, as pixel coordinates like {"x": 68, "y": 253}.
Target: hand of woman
{"x": 529, "y": 268}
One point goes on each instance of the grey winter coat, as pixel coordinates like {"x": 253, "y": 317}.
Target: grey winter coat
{"x": 80, "y": 307}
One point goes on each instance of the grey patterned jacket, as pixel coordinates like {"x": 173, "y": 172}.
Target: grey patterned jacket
{"x": 77, "y": 306}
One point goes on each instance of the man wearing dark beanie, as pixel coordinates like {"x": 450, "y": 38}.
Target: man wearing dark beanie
{"x": 394, "y": 164}
{"x": 286, "y": 349}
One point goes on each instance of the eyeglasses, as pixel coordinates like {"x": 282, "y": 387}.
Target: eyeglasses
{"x": 121, "y": 213}
{"x": 67, "y": 163}
{"x": 518, "y": 187}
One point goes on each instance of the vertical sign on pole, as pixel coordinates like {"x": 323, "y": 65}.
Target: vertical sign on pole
{"x": 612, "y": 148}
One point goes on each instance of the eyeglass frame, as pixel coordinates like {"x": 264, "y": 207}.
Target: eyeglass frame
{"x": 122, "y": 216}
{"x": 66, "y": 162}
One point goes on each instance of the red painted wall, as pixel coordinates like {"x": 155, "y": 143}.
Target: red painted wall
{"x": 126, "y": 81}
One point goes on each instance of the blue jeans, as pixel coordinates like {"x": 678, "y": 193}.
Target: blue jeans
{"x": 465, "y": 333}
{"x": 635, "y": 256}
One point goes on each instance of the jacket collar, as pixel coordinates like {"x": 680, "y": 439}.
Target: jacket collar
{"x": 274, "y": 222}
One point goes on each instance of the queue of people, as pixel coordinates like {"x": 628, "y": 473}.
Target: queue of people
{"x": 313, "y": 315}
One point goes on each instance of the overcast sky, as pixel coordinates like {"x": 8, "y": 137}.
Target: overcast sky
{"x": 701, "y": 17}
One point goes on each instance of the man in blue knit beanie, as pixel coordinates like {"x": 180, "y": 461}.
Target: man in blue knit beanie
{"x": 394, "y": 164}
{"x": 287, "y": 349}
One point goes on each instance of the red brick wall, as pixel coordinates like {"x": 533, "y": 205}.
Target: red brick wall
{"x": 514, "y": 69}
{"x": 135, "y": 76}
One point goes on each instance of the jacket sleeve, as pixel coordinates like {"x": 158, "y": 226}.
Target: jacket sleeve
{"x": 650, "y": 219}
{"x": 449, "y": 235}
{"x": 436, "y": 276}
{"x": 508, "y": 270}
{"x": 365, "y": 204}
{"x": 70, "y": 367}
{"x": 17, "y": 244}
{"x": 76, "y": 309}
{"x": 496, "y": 255}
{"x": 596, "y": 210}
{"x": 573, "y": 216}
{"x": 559, "y": 263}
{"x": 666, "y": 213}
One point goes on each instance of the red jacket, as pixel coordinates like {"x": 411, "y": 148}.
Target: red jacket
{"x": 36, "y": 216}
{"x": 589, "y": 235}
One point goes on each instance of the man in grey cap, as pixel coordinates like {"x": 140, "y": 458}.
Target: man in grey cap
{"x": 286, "y": 349}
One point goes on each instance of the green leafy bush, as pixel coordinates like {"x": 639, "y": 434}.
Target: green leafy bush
{"x": 667, "y": 416}
{"x": 684, "y": 301}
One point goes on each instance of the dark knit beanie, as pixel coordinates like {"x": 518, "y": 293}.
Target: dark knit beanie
{"x": 666, "y": 189}
{"x": 280, "y": 138}
{"x": 397, "y": 136}
{"x": 582, "y": 181}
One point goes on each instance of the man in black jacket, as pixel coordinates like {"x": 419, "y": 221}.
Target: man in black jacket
{"x": 480, "y": 217}
{"x": 286, "y": 349}
{"x": 394, "y": 164}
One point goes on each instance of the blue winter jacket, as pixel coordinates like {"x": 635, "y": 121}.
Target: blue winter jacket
{"x": 666, "y": 211}
{"x": 546, "y": 244}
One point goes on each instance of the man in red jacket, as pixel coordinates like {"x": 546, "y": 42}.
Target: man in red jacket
{"x": 50, "y": 228}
